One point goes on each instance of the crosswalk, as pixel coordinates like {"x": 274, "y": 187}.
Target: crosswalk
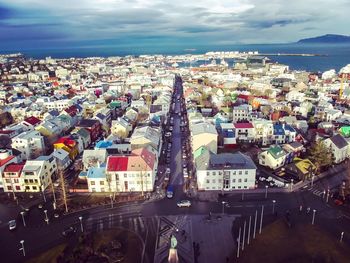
{"x": 132, "y": 221}
{"x": 317, "y": 191}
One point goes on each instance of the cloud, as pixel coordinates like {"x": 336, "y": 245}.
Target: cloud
{"x": 209, "y": 21}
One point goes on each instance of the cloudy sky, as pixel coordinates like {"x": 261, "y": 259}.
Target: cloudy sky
{"x": 33, "y": 23}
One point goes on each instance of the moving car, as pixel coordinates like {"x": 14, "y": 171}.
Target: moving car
{"x": 69, "y": 231}
{"x": 184, "y": 203}
{"x": 170, "y": 191}
{"x": 12, "y": 224}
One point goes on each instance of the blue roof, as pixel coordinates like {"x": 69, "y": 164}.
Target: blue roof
{"x": 54, "y": 113}
{"x": 289, "y": 128}
{"x": 278, "y": 129}
{"x": 96, "y": 172}
{"x": 156, "y": 119}
{"x": 103, "y": 144}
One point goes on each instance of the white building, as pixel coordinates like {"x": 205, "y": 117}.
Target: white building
{"x": 39, "y": 173}
{"x": 241, "y": 113}
{"x": 339, "y": 147}
{"x": 225, "y": 172}
{"x": 31, "y": 144}
{"x": 58, "y": 104}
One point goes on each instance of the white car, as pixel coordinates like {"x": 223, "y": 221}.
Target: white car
{"x": 12, "y": 224}
{"x": 184, "y": 203}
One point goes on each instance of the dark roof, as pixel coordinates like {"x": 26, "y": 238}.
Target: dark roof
{"x": 54, "y": 113}
{"x": 87, "y": 123}
{"x": 100, "y": 116}
{"x": 296, "y": 144}
{"x": 155, "y": 108}
{"x": 339, "y": 141}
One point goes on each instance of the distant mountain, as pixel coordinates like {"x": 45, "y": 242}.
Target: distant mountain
{"x": 329, "y": 38}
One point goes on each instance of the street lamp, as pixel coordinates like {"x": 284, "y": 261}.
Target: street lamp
{"x": 81, "y": 223}
{"x": 273, "y": 206}
{"x": 24, "y": 222}
{"x": 22, "y": 248}
{"x": 223, "y": 206}
{"x": 266, "y": 187}
{"x": 341, "y": 237}
{"x": 46, "y": 218}
{"x": 111, "y": 200}
{"x": 313, "y": 216}
{"x": 327, "y": 196}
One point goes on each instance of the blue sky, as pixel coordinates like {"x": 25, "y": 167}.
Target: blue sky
{"x": 69, "y": 23}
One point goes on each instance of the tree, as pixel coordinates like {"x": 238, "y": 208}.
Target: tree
{"x": 320, "y": 155}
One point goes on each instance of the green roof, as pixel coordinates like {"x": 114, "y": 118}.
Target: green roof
{"x": 276, "y": 151}
{"x": 345, "y": 131}
{"x": 115, "y": 104}
{"x": 199, "y": 152}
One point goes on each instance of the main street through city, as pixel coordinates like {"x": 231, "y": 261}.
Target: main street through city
{"x": 144, "y": 217}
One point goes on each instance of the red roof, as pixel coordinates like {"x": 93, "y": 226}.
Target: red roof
{"x": 32, "y": 120}
{"x": 247, "y": 125}
{"x": 117, "y": 163}
{"x": 66, "y": 141}
{"x": 6, "y": 160}
{"x": 14, "y": 168}
{"x": 72, "y": 110}
{"x": 6, "y": 131}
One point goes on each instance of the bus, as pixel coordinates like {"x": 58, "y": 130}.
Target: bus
{"x": 170, "y": 191}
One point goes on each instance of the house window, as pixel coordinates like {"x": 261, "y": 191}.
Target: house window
{"x": 240, "y": 180}
{"x": 213, "y": 181}
{"x": 18, "y": 187}
{"x": 92, "y": 182}
{"x": 240, "y": 172}
{"x": 220, "y": 181}
{"x": 31, "y": 181}
{"x": 246, "y": 172}
{"x": 125, "y": 175}
{"x": 16, "y": 181}
{"x": 234, "y": 172}
{"x": 208, "y": 173}
{"x": 208, "y": 182}
{"x": 214, "y": 173}
{"x": 233, "y": 180}
{"x": 8, "y": 181}
{"x": 102, "y": 182}
{"x": 35, "y": 188}
{"x": 27, "y": 187}
{"x": 9, "y": 187}
{"x": 116, "y": 177}
{"x": 36, "y": 181}
{"x": 245, "y": 180}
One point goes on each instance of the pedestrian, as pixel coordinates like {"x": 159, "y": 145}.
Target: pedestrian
{"x": 308, "y": 210}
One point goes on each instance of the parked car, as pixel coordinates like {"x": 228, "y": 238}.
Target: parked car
{"x": 185, "y": 173}
{"x": 184, "y": 203}
{"x": 69, "y": 231}
{"x": 12, "y": 225}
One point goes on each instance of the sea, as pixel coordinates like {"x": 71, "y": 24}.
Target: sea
{"x": 332, "y": 56}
